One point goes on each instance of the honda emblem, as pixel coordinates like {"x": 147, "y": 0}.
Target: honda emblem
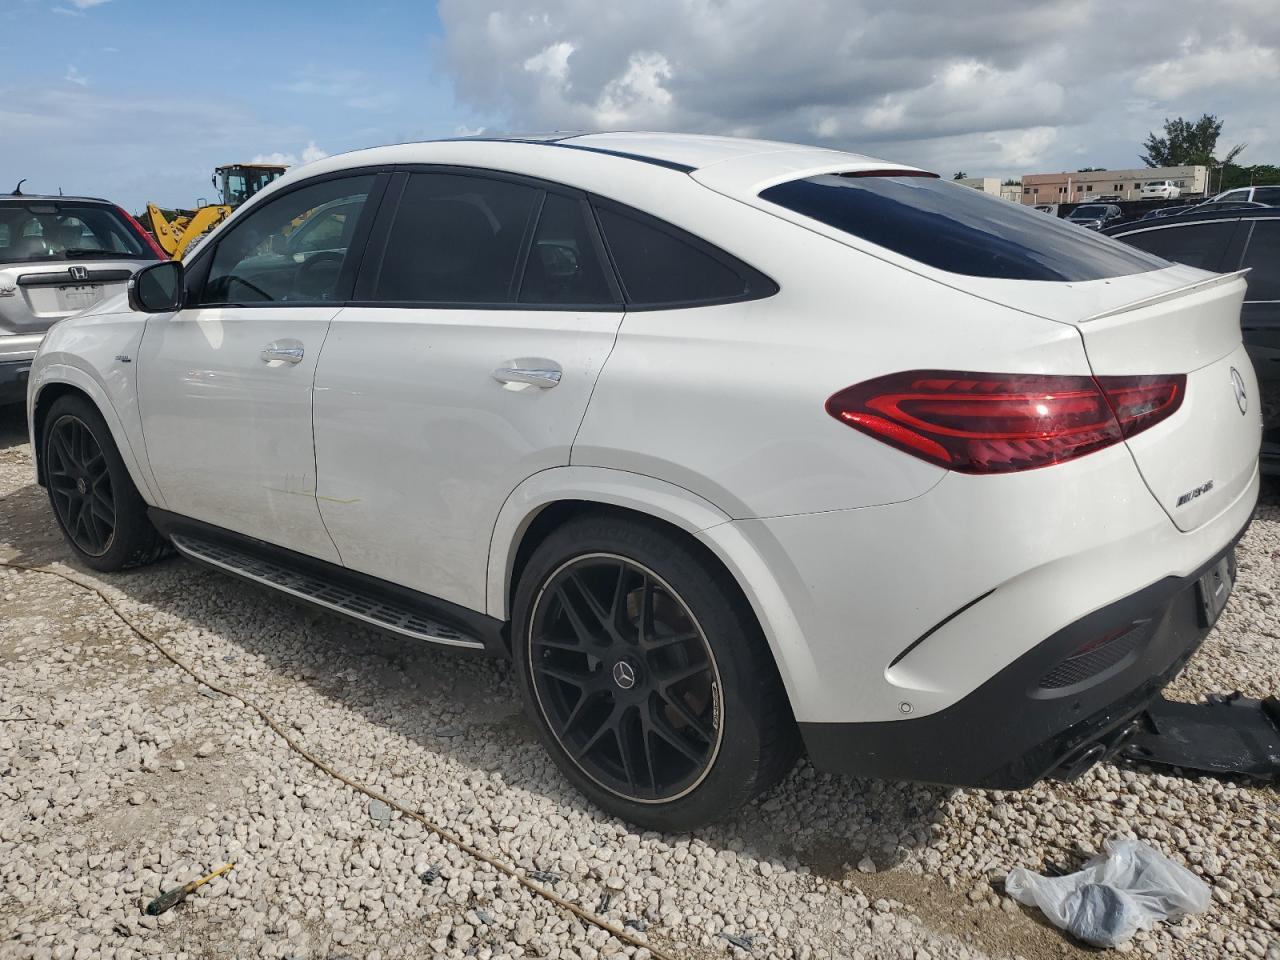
{"x": 79, "y": 273}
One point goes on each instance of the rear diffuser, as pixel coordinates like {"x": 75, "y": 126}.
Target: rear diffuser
{"x": 1228, "y": 734}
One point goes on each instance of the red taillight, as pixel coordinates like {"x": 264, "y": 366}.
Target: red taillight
{"x": 146, "y": 234}
{"x": 998, "y": 422}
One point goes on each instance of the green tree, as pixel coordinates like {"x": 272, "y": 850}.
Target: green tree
{"x": 1091, "y": 169}
{"x": 1258, "y": 174}
{"x": 961, "y": 176}
{"x": 1186, "y": 143}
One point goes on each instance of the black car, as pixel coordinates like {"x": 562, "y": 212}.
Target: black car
{"x": 1222, "y": 241}
{"x": 1094, "y": 216}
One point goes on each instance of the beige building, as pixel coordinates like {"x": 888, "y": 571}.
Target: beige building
{"x": 1125, "y": 184}
{"x": 989, "y": 185}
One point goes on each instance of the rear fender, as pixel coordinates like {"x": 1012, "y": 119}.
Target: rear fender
{"x": 674, "y": 505}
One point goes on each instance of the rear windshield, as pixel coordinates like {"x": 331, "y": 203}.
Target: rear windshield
{"x": 38, "y": 231}
{"x": 959, "y": 229}
{"x": 1083, "y": 213}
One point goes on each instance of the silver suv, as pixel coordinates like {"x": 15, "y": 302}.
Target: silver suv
{"x": 58, "y": 255}
{"x": 1267, "y": 194}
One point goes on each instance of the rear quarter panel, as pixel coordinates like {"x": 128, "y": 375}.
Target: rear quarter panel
{"x": 728, "y": 401}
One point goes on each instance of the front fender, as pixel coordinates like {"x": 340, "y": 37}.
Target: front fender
{"x": 114, "y": 396}
{"x": 675, "y": 505}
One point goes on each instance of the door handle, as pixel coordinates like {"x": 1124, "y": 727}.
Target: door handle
{"x": 285, "y": 351}
{"x": 545, "y": 377}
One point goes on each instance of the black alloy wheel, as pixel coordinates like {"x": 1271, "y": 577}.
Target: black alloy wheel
{"x": 80, "y": 486}
{"x": 625, "y": 678}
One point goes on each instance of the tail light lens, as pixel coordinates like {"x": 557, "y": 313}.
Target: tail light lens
{"x": 146, "y": 234}
{"x": 1000, "y": 423}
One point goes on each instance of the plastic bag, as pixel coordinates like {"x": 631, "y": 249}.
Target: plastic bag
{"x": 1113, "y": 896}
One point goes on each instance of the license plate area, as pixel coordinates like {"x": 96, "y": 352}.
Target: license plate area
{"x": 1214, "y": 588}
{"x": 80, "y": 296}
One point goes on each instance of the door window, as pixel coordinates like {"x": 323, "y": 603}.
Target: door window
{"x": 563, "y": 266}
{"x": 1198, "y": 245}
{"x": 1263, "y": 256}
{"x": 456, "y": 239}
{"x": 1267, "y": 195}
{"x": 290, "y": 249}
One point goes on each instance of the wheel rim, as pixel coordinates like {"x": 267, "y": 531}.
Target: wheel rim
{"x": 625, "y": 679}
{"x": 80, "y": 486}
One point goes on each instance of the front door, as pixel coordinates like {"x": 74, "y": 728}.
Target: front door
{"x": 466, "y": 369}
{"x": 225, "y": 385}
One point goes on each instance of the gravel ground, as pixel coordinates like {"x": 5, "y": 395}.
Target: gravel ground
{"x": 120, "y": 776}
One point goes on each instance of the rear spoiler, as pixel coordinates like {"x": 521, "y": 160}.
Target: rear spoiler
{"x": 1209, "y": 283}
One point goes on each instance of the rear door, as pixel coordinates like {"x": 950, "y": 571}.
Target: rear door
{"x": 481, "y": 321}
{"x": 225, "y": 384}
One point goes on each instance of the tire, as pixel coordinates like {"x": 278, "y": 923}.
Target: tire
{"x": 695, "y": 720}
{"x": 101, "y": 514}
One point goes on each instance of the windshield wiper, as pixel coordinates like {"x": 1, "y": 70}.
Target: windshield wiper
{"x": 75, "y": 252}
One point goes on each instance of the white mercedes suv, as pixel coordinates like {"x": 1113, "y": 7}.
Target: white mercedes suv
{"x": 735, "y": 448}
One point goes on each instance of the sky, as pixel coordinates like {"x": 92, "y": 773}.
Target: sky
{"x": 139, "y": 100}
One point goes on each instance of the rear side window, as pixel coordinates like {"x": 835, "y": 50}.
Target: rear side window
{"x": 1267, "y": 195}
{"x": 662, "y": 266}
{"x": 1263, "y": 256}
{"x": 1197, "y": 244}
{"x": 564, "y": 266}
{"x": 456, "y": 239}
{"x": 957, "y": 229}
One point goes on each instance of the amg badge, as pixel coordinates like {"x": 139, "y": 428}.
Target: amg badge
{"x": 1192, "y": 494}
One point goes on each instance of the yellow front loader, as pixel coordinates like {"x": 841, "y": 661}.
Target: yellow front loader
{"x": 236, "y": 182}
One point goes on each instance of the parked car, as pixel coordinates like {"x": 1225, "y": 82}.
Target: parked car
{"x": 58, "y": 255}
{"x": 1165, "y": 212}
{"x": 1266, "y": 194}
{"x": 734, "y": 448}
{"x": 1238, "y": 236}
{"x": 1094, "y": 216}
{"x": 1107, "y": 197}
{"x": 1211, "y": 205}
{"x": 1159, "y": 190}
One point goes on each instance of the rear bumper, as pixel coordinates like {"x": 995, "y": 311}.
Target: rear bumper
{"x": 13, "y": 380}
{"x": 1015, "y": 730}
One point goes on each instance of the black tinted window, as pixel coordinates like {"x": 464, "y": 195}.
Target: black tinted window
{"x": 455, "y": 239}
{"x": 662, "y": 266}
{"x": 1263, "y": 256}
{"x": 1196, "y": 244}
{"x": 958, "y": 229}
{"x": 563, "y": 266}
{"x": 1267, "y": 195}
{"x": 269, "y": 255}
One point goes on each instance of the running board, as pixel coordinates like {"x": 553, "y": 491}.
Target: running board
{"x": 1229, "y": 734}
{"x": 376, "y": 611}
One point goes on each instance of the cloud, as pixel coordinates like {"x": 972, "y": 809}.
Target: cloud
{"x": 78, "y": 7}
{"x": 310, "y": 154}
{"x": 349, "y": 87}
{"x": 1000, "y": 85}
{"x": 1237, "y": 62}
{"x": 75, "y": 76}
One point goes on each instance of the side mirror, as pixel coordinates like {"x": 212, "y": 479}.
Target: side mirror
{"x": 158, "y": 288}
